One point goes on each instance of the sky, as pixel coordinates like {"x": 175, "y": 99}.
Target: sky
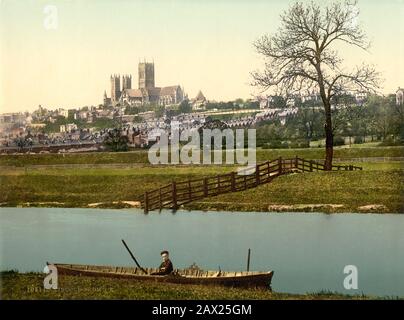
{"x": 200, "y": 45}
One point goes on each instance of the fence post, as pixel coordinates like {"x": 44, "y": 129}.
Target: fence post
{"x": 174, "y": 188}
{"x": 205, "y": 187}
{"x": 189, "y": 190}
{"x": 311, "y": 165}
{"x": 280, "y": 165}
{"x": 233, "y": 181}
{"x": 248, "y": 259}
{"x": 296, "y": 162}
{"x": 257, "y": 175}
{"x": 146, "y": 202}
{"x": 160, "y": 202}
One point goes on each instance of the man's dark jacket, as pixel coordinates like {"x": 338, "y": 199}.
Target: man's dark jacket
{"x": 166, "y": 267}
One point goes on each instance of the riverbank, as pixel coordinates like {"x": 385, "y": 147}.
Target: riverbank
{"x": 16, "y": 285}
{"x": 378, "y": 188}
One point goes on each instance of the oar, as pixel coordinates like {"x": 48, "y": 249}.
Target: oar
{"x": 133, "y": 257}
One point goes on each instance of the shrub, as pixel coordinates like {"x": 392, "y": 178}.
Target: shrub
{"x": 390, "y": 142}
{"x": 277, "y": 144}
{"x": 299, "y": 144}
{"x": 115, "y": 141}
{"x": 339, "y": 141}
{"x": 358, "y": 139}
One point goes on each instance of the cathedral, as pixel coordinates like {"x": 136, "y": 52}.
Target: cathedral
{"x": 146, "y": 93}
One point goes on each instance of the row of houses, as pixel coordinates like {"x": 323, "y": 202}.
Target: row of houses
{"x": 272, "y": 101}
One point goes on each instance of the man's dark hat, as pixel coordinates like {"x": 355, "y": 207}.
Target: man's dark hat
{"x": 163, "y": 252}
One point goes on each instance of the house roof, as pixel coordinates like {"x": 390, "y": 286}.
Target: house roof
{"x": 200, "y": 96}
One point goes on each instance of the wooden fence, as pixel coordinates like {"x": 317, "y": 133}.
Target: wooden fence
{"x": 176, "y": 194}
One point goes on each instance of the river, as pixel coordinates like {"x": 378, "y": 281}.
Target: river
{"x": 307, "y": 251}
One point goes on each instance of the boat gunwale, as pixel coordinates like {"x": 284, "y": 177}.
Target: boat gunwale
{"x": 237, "y": 275}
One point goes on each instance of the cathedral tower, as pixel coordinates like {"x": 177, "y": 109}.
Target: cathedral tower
{"x": 146, "y": 75}
{"x": 115, "y": 88}
{"x": 126, "y": 82}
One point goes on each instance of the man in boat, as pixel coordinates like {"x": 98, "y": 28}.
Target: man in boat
{"x": 166, "y": 267}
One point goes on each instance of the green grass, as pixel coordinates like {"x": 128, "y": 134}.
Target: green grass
{"x": 141, "y": 156}
{"x": 376, "y": 166}
{"x": 316, "y": 143}
{"x": 30, "y": 286}
{"x": 24, "y": 182}
{"x": 318, "y": 191}
{"x": 362, "y": 145}
{"x": 380, "y": 183}
{"x": 78, "y": 187}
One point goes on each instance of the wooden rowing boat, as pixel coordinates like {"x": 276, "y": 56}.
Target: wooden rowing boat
{"x": 246, "y": 279}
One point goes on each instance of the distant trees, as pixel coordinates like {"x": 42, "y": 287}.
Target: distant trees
{"x": 159, "y": 110}
{"x": 24, "y": 142}
{"x": 133, "y": 109}
{"x": 55, "y": 126}
{"x": 20, "y": 142}
{"x": 270, "y": 134}
{"x": 397, "y": 124}
{"x": 220, "y": 105}
{"x": 385, "y": 118}
{"x": 185, "y": 107}
{"x": 377, "y": 119}
{"x": 116, "y": 141}
{"x": 307, "y": 124}
{"x": 278, "y": 102}
{"x": 237, "y": 104}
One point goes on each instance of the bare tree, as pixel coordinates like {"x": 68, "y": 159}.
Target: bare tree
{"x": 302, "y": 56}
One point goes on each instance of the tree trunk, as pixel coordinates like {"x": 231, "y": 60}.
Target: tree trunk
{"x": 329, "y": 139}
{"x": 329, "y": 136}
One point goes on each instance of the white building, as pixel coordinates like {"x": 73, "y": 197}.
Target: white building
{"x": 263, "y": 102}
{"x": 311, "y": 96}
{"x": 361, "y": 96}
{"x": 400, "y": 97}
{"x": 68, "y": 128}
{"x": 199, "y": 102}
{"x": 63, "y": 113}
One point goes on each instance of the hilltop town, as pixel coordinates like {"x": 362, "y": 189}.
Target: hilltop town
{"x": 138, "y": 112}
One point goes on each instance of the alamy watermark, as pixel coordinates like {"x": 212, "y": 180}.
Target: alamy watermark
{"x": 195, "y": 152}
{"x": 51, "y": 20}
{"x": 351, "y": 280}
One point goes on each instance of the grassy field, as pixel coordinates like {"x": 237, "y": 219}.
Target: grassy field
{"x": 30, "y": 286}
{"x": 116, "y": 180}
{"x": 321, "y": 143}
{"x": 141, "y": 156}
{"x": 379, "y": 187}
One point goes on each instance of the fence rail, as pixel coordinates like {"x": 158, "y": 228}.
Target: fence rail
{"x": 176, "y": 194}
